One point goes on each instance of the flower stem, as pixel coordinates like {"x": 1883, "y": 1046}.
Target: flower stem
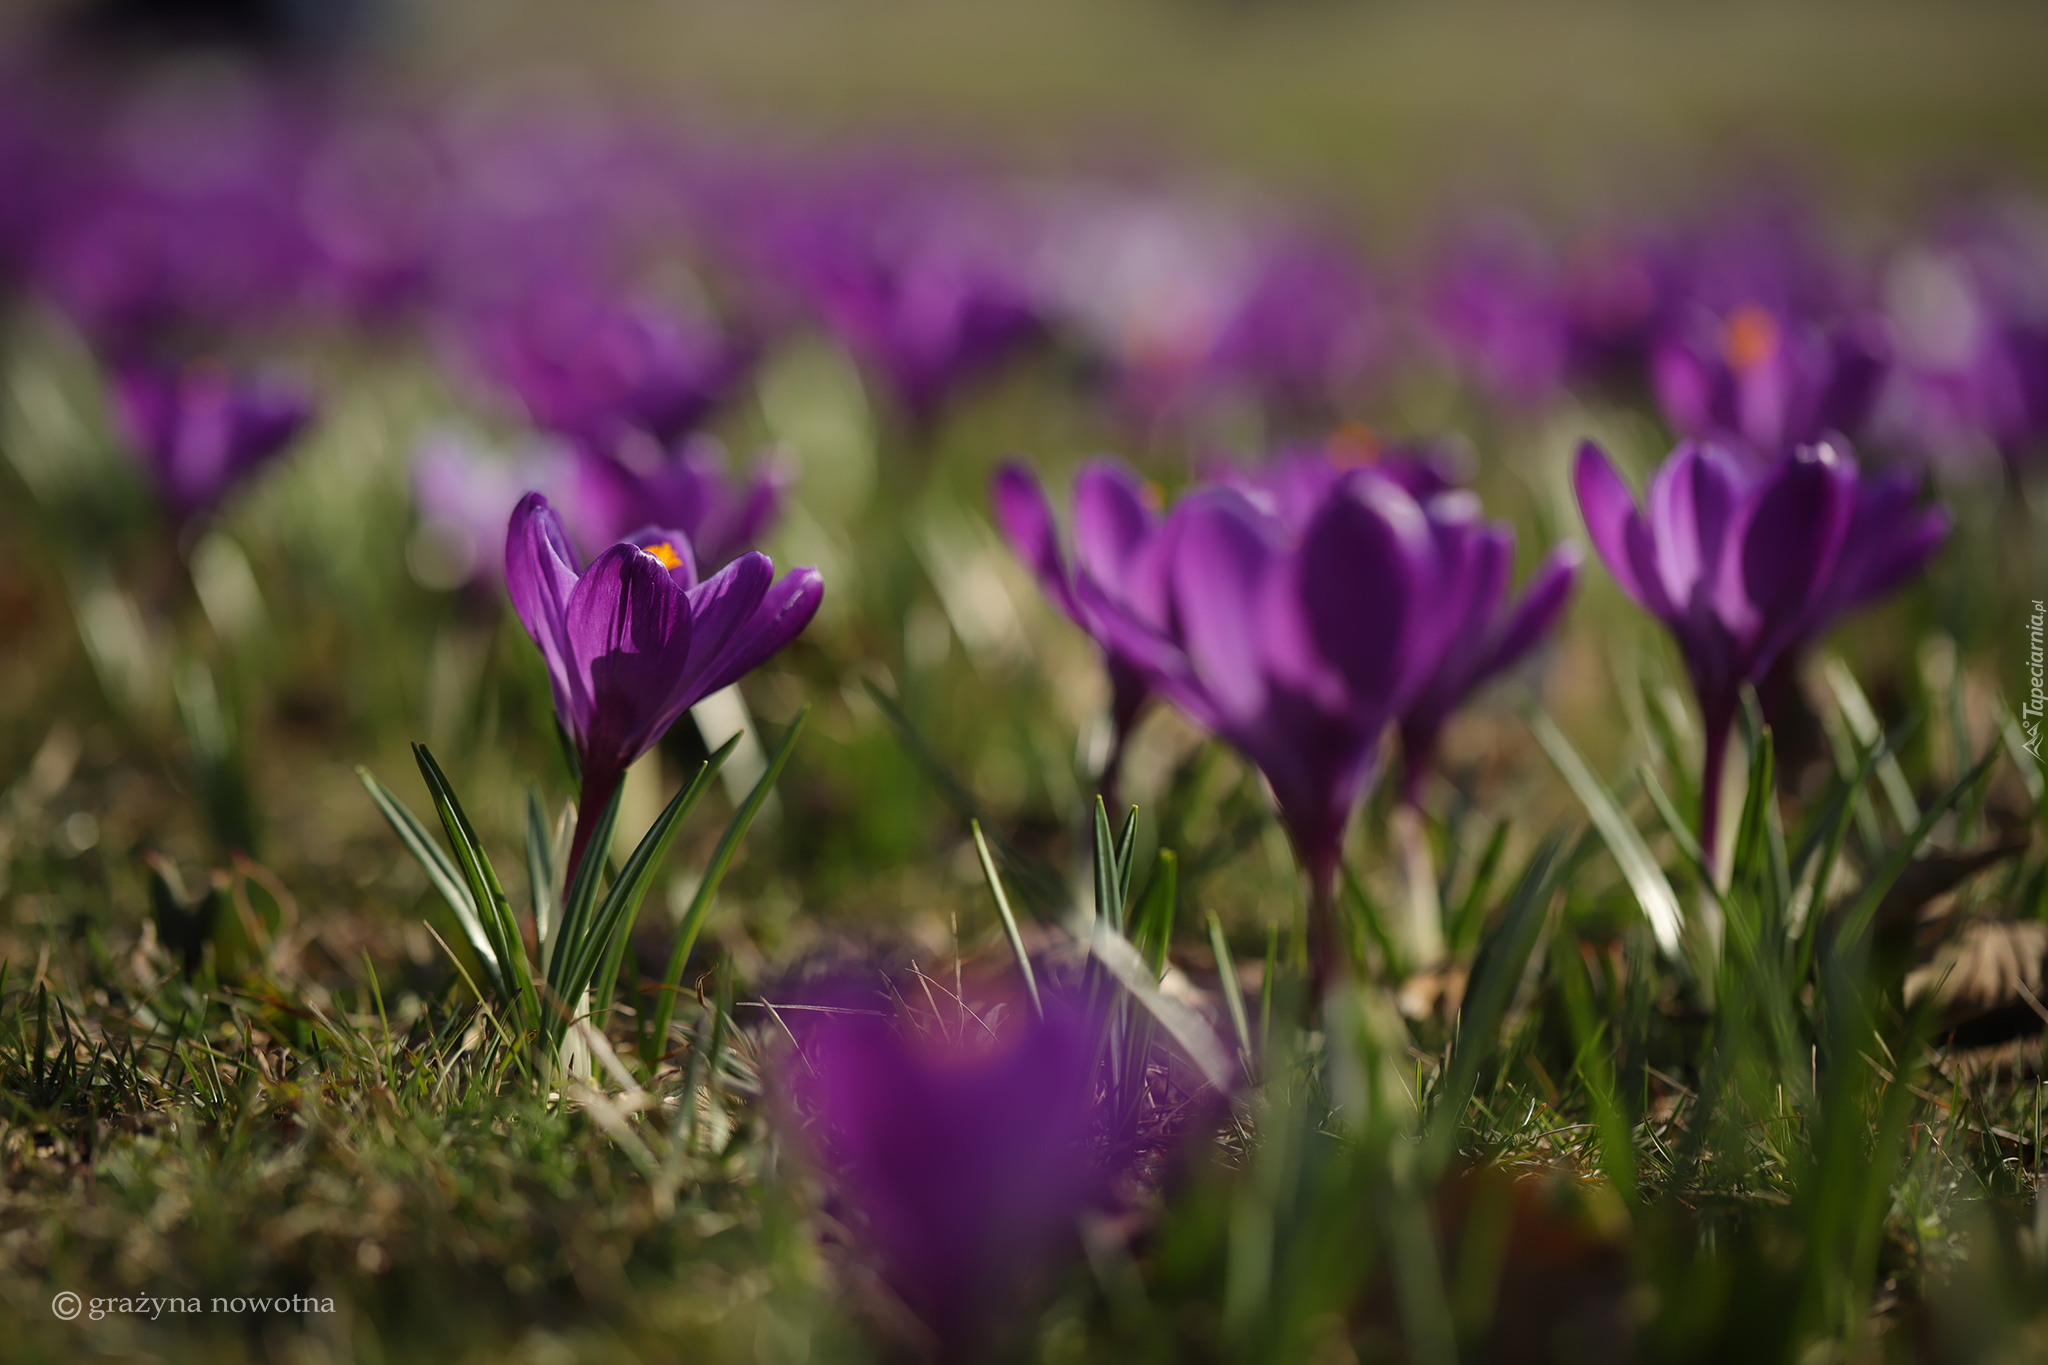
{"x": 1718, "y": 722}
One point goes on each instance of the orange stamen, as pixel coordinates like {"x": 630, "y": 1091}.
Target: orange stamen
{"x": 664, "y": 552}
{"x": 1749, "y": 337}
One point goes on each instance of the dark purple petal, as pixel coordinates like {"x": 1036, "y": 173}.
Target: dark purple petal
{"x": 630, "y": 629}
{"x": 1111, "y": 522}
{"x": 540, "y": 574}
{"x": 1609, "y": 509}
{"x": 784, "y": 610}
{"x": 1363, "y": 562}
{"x": 1544, "y": 596}
{"x": 1219, "y": 570}
{"x": 1790, "y": 540}
{"x": 1026, "y": 521}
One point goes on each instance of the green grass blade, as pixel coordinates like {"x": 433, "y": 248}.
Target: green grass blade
{"x": 1109, "y": 905}
{"x": 1495, "y": 976}
{"x": 1152, "y": 921}
{"x": 1857, "y": 918}
{"x": 1233, "y": 991}
{"x": 714, "y": 873}
{"x": 494, "y": 910}
{"x": 995, "y": 886}
{"x": 1186, "y": 1027}
{"x": 1652, "y": 891}
{"x": 581, "y": 901}
{"x": 605, "y": 942}
{"x": 442, "y": 874}
{"x": 540, "y": 874}
{"x": 1861, "y": 719}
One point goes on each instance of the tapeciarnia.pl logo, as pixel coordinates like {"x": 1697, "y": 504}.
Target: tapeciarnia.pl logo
{"x": 2037, "y": 697}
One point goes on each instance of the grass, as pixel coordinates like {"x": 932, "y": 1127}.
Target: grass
{"x": 284, "y": 1071}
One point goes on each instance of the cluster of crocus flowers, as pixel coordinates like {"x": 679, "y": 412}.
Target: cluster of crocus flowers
{"x": 637, "y": 638}
{"x": 963, "y": 1152}
{"x": 1295, "y": 612}
{"x": 1746, "y": 564}
{"x": 198, "y": 429}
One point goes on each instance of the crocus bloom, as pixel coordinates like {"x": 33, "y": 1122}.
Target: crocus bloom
{"x": 465, "y": 490}
{"x": 1115, "y": 517}
{"x": 596, "y": 369}
{"x": 1758, "y": 380}
{"x": 1298, "y": 646}
{"x": 1969, "y": 310}
{"x": 1490, "y": 634}
{"x": 198, "y": 429}
{"x": 965, "y": 1156}
{"x": 636, "y": 639}
{"x": 1745, "y": 565}
{"x": 916, "y": 280}
{"x": 691, "y": 490}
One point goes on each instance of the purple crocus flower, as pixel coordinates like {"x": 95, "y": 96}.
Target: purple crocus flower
{"x": 1495, "y": 635}
{"x": 1746, "y": 565}
{"x": 465, "y": 491}
{"x": 1297, "y": 645}
{"x": 1115, "y": 518}
{"x": 916, "y": 275}
{"x": 1759, "y": 380}
{"x": 1970, "y": 311}
{"x": 965, "y": 1157}
{"x": 1491, "y": 634}
{"x": 691, "y": 490}
{"x": 196, "y": 430}
{"x": 596, "y": 369}
{"x": 636, "y": 639}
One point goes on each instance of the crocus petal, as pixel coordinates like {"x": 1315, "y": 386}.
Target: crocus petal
{"x": 1361, "y": 564}
{"x": 1219, "y": 567}
{"x": 1548, "y": 589}
{"x": 1790, "y": 539}
{"x": 629, "y": 625}
{"x": 722, "y": 610}
{"x": 1609, "y": 508}
{"x": 1111, "y": 521}
{"x": 1026, "y": 521}
{"x": 540, "y": 574}
{"x": 784, "y": 610}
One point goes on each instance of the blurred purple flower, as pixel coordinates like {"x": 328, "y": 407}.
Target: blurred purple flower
{"x": 1747, "y": 565}
{"x": 198, "y": 429}
{"x": 966, "y": 1157}
{"x": 915, "y": 274}
{"x": 465, "y": 491}
{"x": 691, "y": 490}
{"x": 1969, "y": 309}
{"x": 1305, "y": 332}
{"x": 1495, "y": 300}
{"x": 1296, "y": 644}
{"x": 637, "y": 639}
{"x": 1766, "y": 383}
{"x": 597, "y": 369}
{"x": 1489, "y": 634}
{"x": 1115, "y": 519}
{"x": 173, "y": 212}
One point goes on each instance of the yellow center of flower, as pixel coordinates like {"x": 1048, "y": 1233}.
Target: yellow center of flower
{"x": 665, "y": 553}
{"x": 1352, "y": 446}
{"x": 1749, "y": 337}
